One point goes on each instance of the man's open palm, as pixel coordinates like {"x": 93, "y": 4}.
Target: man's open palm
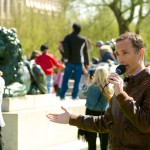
{"x": 62, "y": 118}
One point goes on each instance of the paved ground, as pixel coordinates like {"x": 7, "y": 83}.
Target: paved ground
{"x": 74, "y": 145}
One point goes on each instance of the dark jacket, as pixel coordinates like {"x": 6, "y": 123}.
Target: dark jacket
{"x": 108, "y": 56}
{"x": 73, "y": 50}
{"x": 128, "y": 117}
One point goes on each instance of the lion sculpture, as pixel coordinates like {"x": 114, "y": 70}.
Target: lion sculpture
{"x": 20, "y": 76}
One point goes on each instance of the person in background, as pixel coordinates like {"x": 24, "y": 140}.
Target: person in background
{"x": 106, "y": 55}
{"x": 99, "y": 44}
{"x": 61, "y": 51}
{"x": 34, "y": 54}
{"x": 58, "y": 77}
{"x": 2, "y": 123}
{"x": 76, "y": 54}
{"x": 85, "y": 68}
{"x": 47, "y": 61}
{"x": 97, "y": 102}
{"x": 128, "y": 117}
{"x": 112, "y": 44}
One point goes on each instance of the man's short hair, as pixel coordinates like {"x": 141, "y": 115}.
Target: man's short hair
{"x": 76, "y": 27}
{"x": 43, "y": 47}
{"x": 135, "y": 39}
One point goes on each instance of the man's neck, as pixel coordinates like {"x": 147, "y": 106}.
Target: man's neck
{"x": 142, "y": 67}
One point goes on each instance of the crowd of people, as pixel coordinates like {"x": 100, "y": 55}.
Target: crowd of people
{"x": 127, "y": 118}
{"x": 74, "y": 63}
{"x": 111, "y": 102}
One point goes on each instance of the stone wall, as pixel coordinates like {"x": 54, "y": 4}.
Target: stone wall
{"x": 27, "y": 127}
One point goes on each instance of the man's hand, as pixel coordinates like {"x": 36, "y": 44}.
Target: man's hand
{"x": 62, "y": 118}
{"x": 117, "y": 81}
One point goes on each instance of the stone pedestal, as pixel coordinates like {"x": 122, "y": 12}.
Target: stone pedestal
{"x": 27, "y": 127}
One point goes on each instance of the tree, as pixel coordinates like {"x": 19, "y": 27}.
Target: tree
{"x": 134, "y": 10}
{"x": 126, "y": 12}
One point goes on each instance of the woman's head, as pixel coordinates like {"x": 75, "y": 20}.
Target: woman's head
{"x": 101, "y": 74}
{"x": 100, "y": 80}
{"x": 35, "y": 54}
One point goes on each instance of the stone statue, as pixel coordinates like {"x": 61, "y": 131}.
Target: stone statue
{"x": 20, "y": 76}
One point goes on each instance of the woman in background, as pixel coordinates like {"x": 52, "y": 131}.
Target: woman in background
{"x": 97, "y": 100}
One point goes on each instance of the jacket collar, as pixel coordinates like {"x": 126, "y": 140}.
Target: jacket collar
{"x": 140, "y": 76}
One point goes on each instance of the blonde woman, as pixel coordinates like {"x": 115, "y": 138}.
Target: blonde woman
{"x": 97, "y": 101}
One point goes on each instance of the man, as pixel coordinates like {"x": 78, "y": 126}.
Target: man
{"x": 47, "y": 61}
{"x": 2, "y": 123}
{"x": 106, "y": 55}
{"x": 76, "y": 53}
{"x": 128, "y": 117}
{"x": 99, "y": 44}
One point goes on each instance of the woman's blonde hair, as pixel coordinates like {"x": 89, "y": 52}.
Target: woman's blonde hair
{"x": 100, "y": 80}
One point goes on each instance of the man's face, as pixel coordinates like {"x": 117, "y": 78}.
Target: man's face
{"x": 98, "y": 47}
{"x": 127, "y": 56}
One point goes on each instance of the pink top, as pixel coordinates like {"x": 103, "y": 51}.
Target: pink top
{"x": 58, "y": 79}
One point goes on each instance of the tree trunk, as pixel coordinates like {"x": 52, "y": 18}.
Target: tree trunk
{"x": 123, "y": 26}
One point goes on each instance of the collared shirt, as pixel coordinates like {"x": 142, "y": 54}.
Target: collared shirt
{"x": 138, "y": 72}
{"x": 126, "y": 79}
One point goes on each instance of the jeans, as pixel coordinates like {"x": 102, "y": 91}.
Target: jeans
{"x": 76, "y": 69}
{"x": 49, "y": 82}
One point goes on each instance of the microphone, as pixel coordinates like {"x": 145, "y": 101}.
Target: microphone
{"x": 121, "y": 69}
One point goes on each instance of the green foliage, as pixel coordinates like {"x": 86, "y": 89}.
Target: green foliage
{"x": 145, "y": 30}
{"x": 99, "y": 23}
{"x": 100, "y": 27}
{"x": 36, "y": 28}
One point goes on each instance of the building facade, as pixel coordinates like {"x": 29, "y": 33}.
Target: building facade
{"x": 12, "y": 7}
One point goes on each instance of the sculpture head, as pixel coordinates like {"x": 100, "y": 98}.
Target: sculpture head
{"x": 17, "y": 73}
{"x": 11, "y": 62}
{"x": 10, "y": 55}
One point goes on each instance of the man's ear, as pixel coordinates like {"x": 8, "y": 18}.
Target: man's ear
{"x": 142, "y": 52}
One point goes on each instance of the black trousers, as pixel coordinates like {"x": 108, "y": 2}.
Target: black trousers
{"x": 1, "y": 141}
{"x": 91, "y": 137}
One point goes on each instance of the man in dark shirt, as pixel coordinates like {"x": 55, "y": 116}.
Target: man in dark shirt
{"x": 76, "y": 54}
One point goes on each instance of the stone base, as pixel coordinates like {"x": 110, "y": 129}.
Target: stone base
{"x": 28, "y": 102}
{"x": 27, "y": 127}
